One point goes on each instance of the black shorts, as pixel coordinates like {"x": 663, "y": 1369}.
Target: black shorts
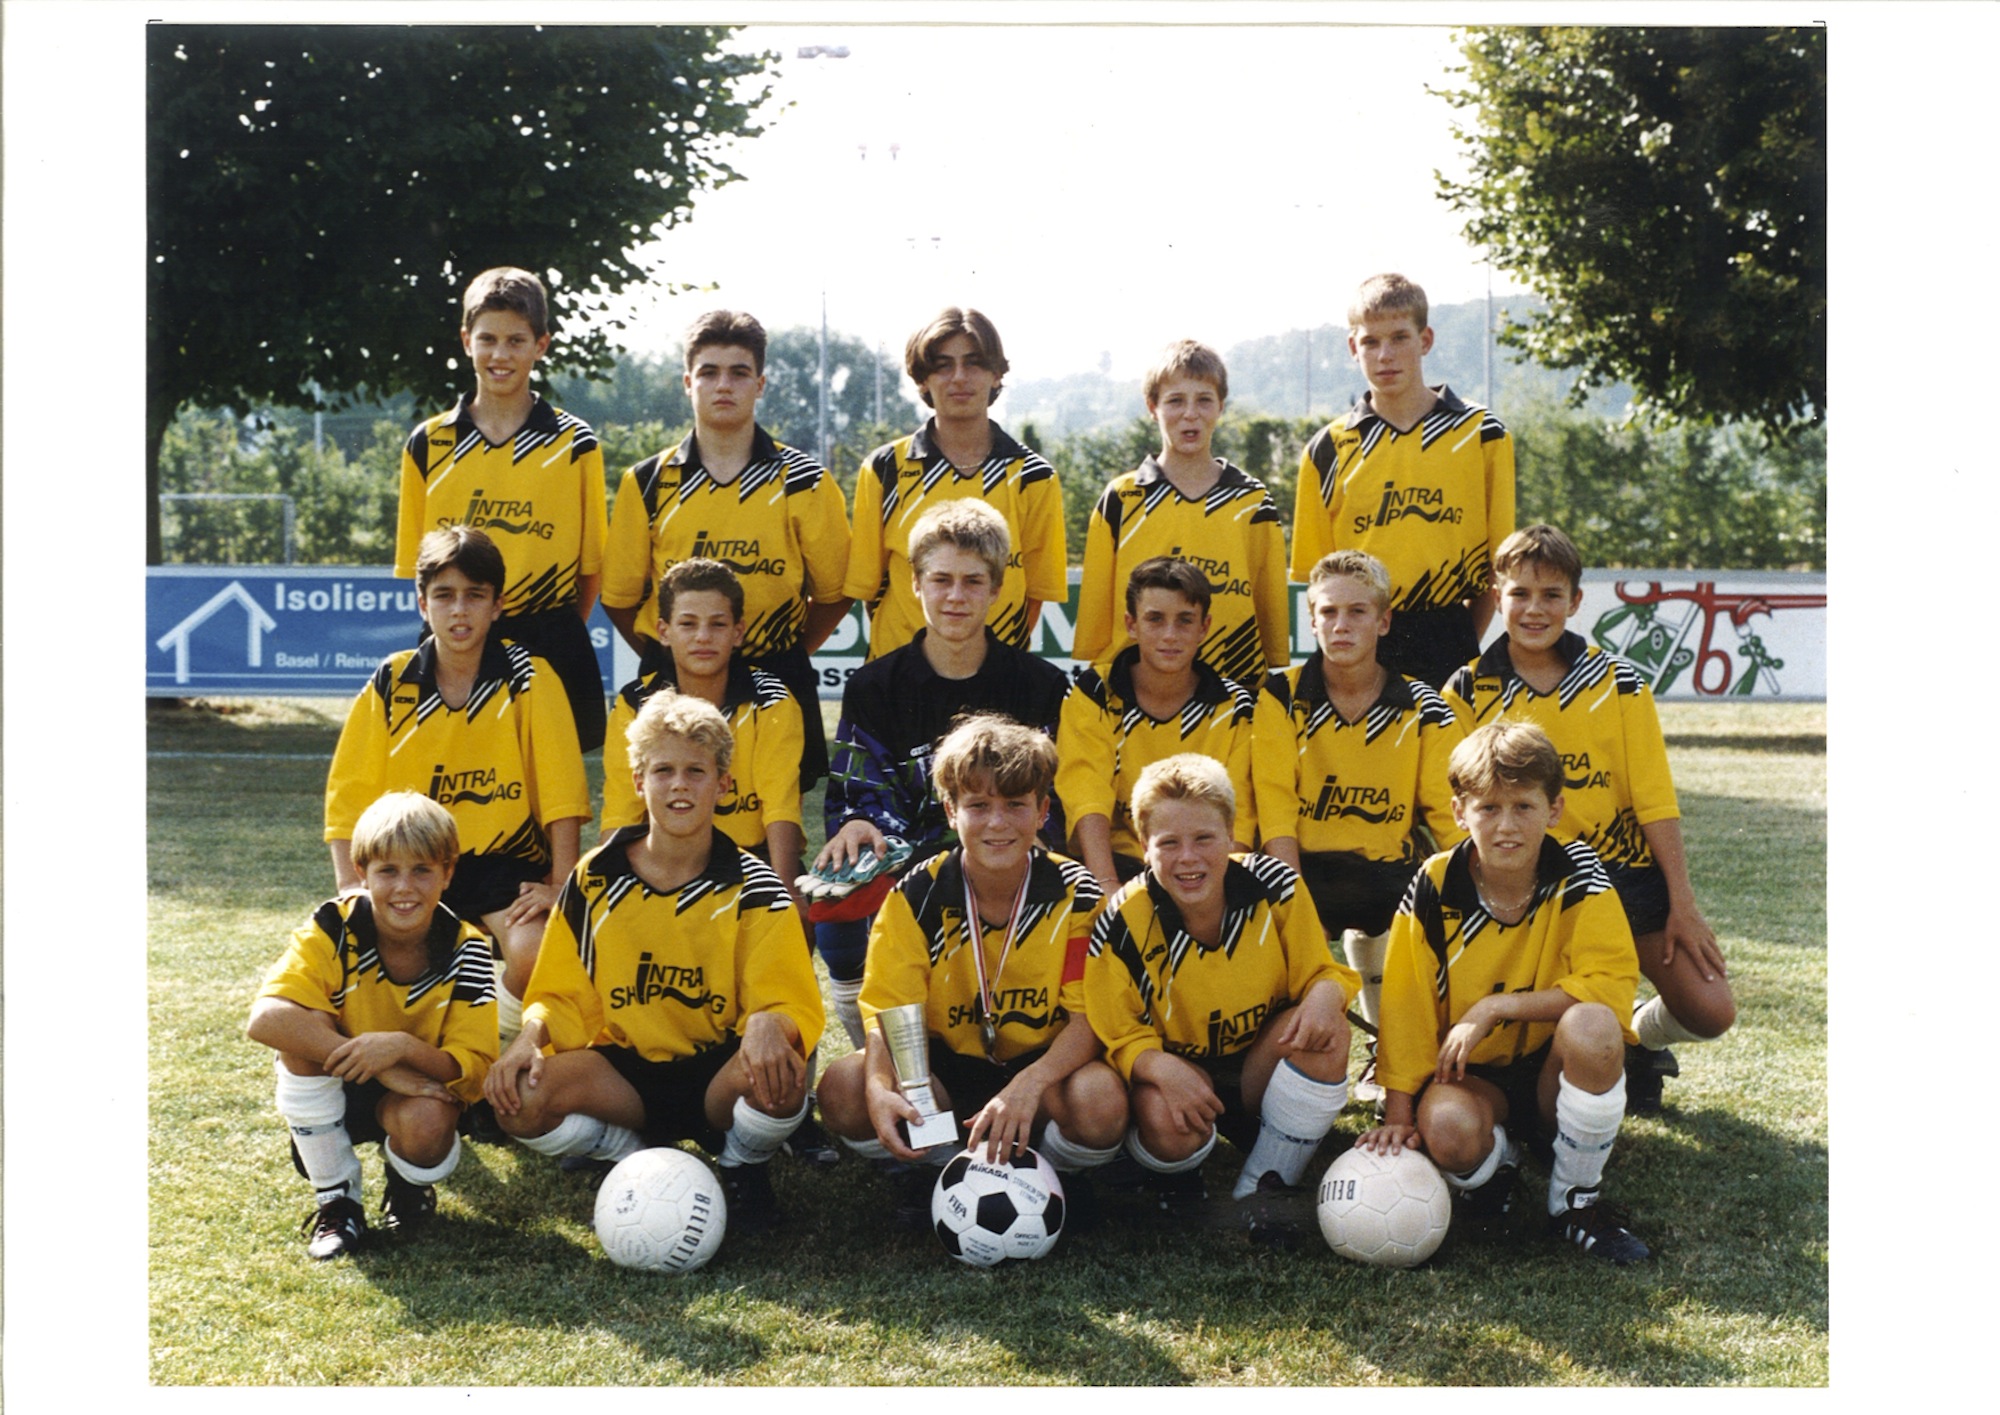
{"x": 1236, "y": 1124}
{"x": 674, "y": 1093}
{"x": 1642, "y": 890}
{"x": 562, "y": 639}
{"x": 1428, "y": 644}
{"x": 1353, "y": 892}
{"x": 972, "y": 1081}
{"x": 794, "y": 667}
{"x": 1520, "y": 1081}
{"x": 482, "y": 884}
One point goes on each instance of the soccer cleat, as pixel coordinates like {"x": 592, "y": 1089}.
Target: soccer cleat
{"x": 1081, "y": 1210}
{"x": 1277, "y": 1212}
{"x": 753, "y": 1206}
{"x": 336, "y": 1228}
{"x": 1366, "y": 1090}
{"x": 1646, "y": 1073}
{"x": 1489, "y": 1205}
{"x": 584, "y": 1164}
{"x": 1599, "y": 1229}
{"x": 477, "y": 1122}
{"x": 812, "y": 1145}
{"x": 1179, "y": 1193}
{"x": 406, "y": 1207}
{"x": 915, "y": 1183}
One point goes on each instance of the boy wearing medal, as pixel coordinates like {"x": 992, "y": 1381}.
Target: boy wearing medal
{"x": 1010, "y": 1053}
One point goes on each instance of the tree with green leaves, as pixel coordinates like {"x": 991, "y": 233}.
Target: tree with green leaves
{"x": 1665, "y": 191}
{"x": 317, "y": 196}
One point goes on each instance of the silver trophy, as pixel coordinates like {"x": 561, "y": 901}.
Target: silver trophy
{"x": 909, "y": 1052}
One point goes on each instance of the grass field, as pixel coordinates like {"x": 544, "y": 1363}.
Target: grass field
{"x": 508, "y": 1287}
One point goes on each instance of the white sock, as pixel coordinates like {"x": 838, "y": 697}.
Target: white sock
{"x": 1504, "y": 1151}
{"x": 510, "y": 1012}
{"x": 1295, "y": 1116}
{"x": 753, "y": 1137}
{"x": 581, "y": 1134}
{"x": 1586, "y": 1125}
{"x": 315, "y": 1107}
{"x": 1366, "y": 953}
{"x": 1151, "y": 1161}
{"x": 869, "y": 1149}
{"x": 416, "y": 1174}
{"x": 847, "y": 1007}
{"x": 1657, "y": 1027}
{"x": 1067, "y": 1155}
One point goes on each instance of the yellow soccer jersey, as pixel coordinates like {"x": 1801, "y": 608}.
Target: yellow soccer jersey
{"x": 917, "y": 952}
{"x": 1150, "y": 985}
{"x": 1231, "y": 534}
{"x": 1446, "y": 952}
{"x": 1432, "y": 504}
{"x": 1106, "y": 739}
{"x": 898, "y": 483}
{"x": 540, "y": 496}
{"x": 1603, "y": 721}
{"x": 333, "y": 966}
{"x": 781, "y": 525}
{"x": 505, "y": 765}
{"x": 763, "y": 768}
{"x": 1358, "y": 788}
{"x": 669, "y": 975}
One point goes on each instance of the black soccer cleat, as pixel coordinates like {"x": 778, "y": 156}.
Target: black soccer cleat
{"x": 406, "y": 1207}
{"x": 1646, "y": 1073}
{"x": 1277, "y": 1212}
{"x": 809, "y": 1144}
{"x": 1489, "y": 1205}
{"x": 1599, "y": 1229}
{"x": 753, "y": 1205}
{"x": 337, "y": 1227}
{"x": 1179, "y": 1193}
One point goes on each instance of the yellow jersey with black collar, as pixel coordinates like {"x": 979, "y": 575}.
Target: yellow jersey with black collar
{"x": 780, "y": 524}
{"x": 1432, "y": 504}
{"x": 1604, "y": 723}
{"x": 505, "y": 764}
{"x": 671, "y": 973}
{"x": 920, "y": 950}
{"x": 1151, "y": 985}
{"x": 1360, "y": 787}
{"x": 1106, "y": 739}
{"x": 769, "y": 734}
{"x": 539, "y": 495}
{"x": 334, "y": 965}
{"x": 901, "y": 481}
{"x": 1231, "y": 533}
{"x": 1446, "y": 952}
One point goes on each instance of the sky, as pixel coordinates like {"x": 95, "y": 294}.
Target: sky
{"x": 1912, "y": 469}
{"x": 1099, "y": 190}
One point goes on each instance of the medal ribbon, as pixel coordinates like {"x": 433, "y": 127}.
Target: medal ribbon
{"x": 989, "y": 1033}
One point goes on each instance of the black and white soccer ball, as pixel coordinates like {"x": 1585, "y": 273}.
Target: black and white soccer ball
{"x": 1388, "y": 1210}
{"x": 661, "y": 1210}
{"x": 988, "y": 1212}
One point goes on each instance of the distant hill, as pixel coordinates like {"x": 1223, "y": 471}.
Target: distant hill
{"x": 1269, "y": 375}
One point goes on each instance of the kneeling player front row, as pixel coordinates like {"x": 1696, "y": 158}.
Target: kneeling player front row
{"x": 673, "y": 997}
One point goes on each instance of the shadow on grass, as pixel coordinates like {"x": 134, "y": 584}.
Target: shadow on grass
{"x": 1809, "y": 744}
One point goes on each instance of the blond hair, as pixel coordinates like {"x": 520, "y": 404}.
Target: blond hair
{"x": 1187, "y": 358}
{"x": 1389, "y": 294}
{"x": 1190, "y": 776}
{"x": 673, "y": 714}
{"x": 992, "y": 752}
{"x": 1517, "y": 753}
{"x": 404, "y": 825}
{"x": 1353, "y": 565}
{"x": 968, "y": 525}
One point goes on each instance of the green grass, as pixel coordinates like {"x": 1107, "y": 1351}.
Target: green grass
{"x": 510, "y": 1288}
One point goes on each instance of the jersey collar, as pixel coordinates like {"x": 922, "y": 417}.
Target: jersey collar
{"x": 1363, "y": 412}
{"x": 422, "y": 667}
{"x": 1496, "y": 662}
{"x": 1240, "y": 893}
{"x": 1552, "y": 866}
{"x": 440, "y": 940}
{"x": 611, "y": 860}
{"x": 687, "y": 453}
{"x": 541, "y": 417}
{"x": 737, "y": 691}
{"x": 1045, "y": 881}
{"x": 1312, "y": 684}
{"x": 923, "y": 443}
{"x": 1208, "y": 689}
{"x": 1151, "y": 473}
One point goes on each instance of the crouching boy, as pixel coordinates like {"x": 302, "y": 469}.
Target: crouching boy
{"x": 1010, "y": 1053}
{"x": 1215, "y": 994}
{"x": 673, "y": 998}
{"x": 381, "y": 1013}
{"x": 1507, "y": 998}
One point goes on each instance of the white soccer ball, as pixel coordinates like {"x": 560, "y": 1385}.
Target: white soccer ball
{"x": 662, "y": 1211}
{"x": 1388, "y": 1210}
{"x": 986, "y": 1213}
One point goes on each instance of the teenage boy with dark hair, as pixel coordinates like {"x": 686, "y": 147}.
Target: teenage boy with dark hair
{"x": 506, "y": 461}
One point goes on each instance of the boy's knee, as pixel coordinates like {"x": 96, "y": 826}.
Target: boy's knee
{"x": 1099, "y": 1107}
{"x": 1458, "y": 1134}
{"x": 842, "y": 1098}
